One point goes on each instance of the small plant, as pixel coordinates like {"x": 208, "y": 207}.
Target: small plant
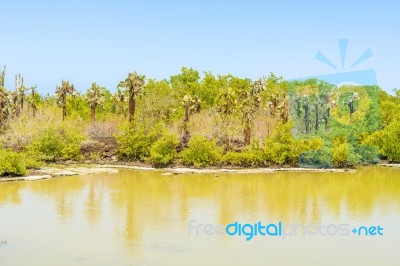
{"x": 57, "y": 143}
{"x": 12, "y": 163}
{"x": 201, "y": 152}
{"x": 134, "y": 144}
{"x": 163, "y": 151}
{"x": 281, "y": 148}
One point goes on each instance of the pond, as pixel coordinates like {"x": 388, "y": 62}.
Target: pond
{"x": 149, "y": 218}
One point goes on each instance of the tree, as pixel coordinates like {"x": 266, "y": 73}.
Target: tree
{"x": 4, "y": 99}
{"x": 95, "y": 97}
{"x": 20, "y": 90}
{"x": 33, "y": 100}
{"x": 4, "y": 106}
{"x": 227, "y": 106}
{"x": 120, "y": 98}
{"x": 187, "y": 82}
{"x": 133, "y": 84}
{"x": 250, "y": 101}
{"x": 62, "y": 92}
{"x": 2, "y": 77}
{"x": 276, "y": 97}
{"x": 190, "y": 105}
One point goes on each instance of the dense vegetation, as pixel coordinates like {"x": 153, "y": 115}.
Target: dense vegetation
{"x": 199, "y": 120}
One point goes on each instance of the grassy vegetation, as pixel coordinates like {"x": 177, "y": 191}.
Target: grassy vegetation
{"x": 199, "y": 120}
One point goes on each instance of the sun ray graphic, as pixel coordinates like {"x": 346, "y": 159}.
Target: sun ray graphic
{"x": 343, "y": 52}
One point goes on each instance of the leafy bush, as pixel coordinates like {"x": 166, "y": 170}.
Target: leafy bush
{"x": 245, "y": 158}
{"x": 317, "y": 158}
{"x": 163, "y": 151}
{"x": 387, "y": 141}
{"x": 281, "y": 148}
{"x": 134, "y": 144}
{"x": 57, "y": 143}
{"x": 251, "y": 156}
{"x": 12, "y": 163}
{"x": 201, "y": 152}
{"x": 343, "y": 153}
{"x": 390, "y": 146}
{"x": 367, "y": 153}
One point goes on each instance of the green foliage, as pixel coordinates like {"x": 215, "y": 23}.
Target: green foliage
{"x": 317, "y": 158}
{"x": 159, "y": 103}
{"x": 356, "y": 124}
{"x": 57, "y": 143}
{"x": 134, "y": 144}
{"x": 12, "y": 163}
{"x": 281, "y": 148}
{"x": 343, "y": 153}
{"x": 250, "y": 157}
{"x": 244, "y": 159}
{"x": 388, "y": 141}
{"x": 163, "y": 151}
{"x": 187, "y": 82}
{"x": 367, "y": 154}
{"x": 201, "y": 152}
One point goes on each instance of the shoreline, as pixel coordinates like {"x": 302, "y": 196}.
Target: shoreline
{"x": 52, "y": 171}
{"x": 60, "y": 170}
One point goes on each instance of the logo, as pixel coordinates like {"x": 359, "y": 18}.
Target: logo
{"x": 281, "y": 230}
{"x": 334, "y": 107}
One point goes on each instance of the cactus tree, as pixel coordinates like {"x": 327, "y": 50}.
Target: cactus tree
{"x": 190, "y": 105}
{"x": 95, "y": 97}
{"x": 133, "y": 84}
{"x": 62, "y": 92}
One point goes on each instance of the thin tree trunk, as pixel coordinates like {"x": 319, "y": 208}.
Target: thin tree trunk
{"x": 185, "y": 126}
{"x": 316, "y": 117}
{"x": 327, "y": 120}
{"x": 93, "y": 113}
{"x": 132, "y": 106}
{"x": 247, "y": 133}
{"x": 307, "y": 118}
{"x": 64, "y": 112}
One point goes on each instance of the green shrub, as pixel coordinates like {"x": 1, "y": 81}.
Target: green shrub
{"x": 244, "y": 158}
{"x": 201, "y": 152}
{"x": 317, "y": 158}
{"x": 281, "y": 148}
{"x": 340, "y": 151}
{"x": 57, "y": 143}
{"x": 12, "y": 163}
{"x": 390, "y": 142}
{"x": 368, "y": 154}
{"x": 32, "y": 161}
{"x": 163, "y": 151}
{"x": 134, "y": 144}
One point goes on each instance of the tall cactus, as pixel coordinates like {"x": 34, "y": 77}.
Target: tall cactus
{"x": 95, "y": 97}
{"x": 190, "y": 105}
{"x": 119, "y": 100}
{"x": 2, "y": 77}
{"x": 20, "y": 89}
{"x": 62, "y": 92}
{"x": 250, "y": 101}
{"x": 33, "y": 100}
{"x": 4, "y": 100}
{"x": 133, "y": 84}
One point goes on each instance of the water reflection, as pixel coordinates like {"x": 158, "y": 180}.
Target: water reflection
{"x": 140, "y": 209}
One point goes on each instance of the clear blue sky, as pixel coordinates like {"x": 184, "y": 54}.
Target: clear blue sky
{"x": 86, "y": 41}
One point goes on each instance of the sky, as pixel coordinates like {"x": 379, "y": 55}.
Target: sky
{"x": 102, "y": 41}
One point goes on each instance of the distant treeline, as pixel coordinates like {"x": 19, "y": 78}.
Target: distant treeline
{"x": 203, "y": 120}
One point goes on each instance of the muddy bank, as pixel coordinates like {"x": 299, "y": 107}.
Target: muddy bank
{"x": 59, "y": 171}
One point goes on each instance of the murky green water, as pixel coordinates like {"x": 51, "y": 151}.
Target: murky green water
{"x": 141, "y": 218}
